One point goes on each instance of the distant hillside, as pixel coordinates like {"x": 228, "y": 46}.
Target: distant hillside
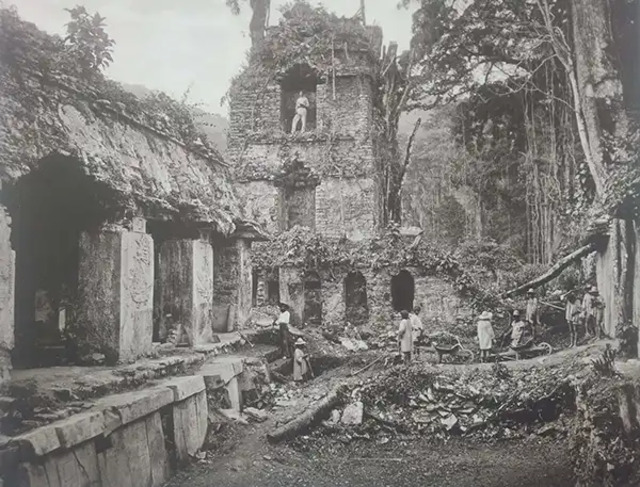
{"x": 214, "y": 126}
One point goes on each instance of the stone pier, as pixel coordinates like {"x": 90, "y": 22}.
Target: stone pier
{"x": 116, "y": 292}
{"x": 186, "y": 287}
{"x": 233, "y": 284}
{"x": 7, "y": 283}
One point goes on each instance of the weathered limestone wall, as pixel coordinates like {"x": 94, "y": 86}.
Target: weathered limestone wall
{"x": 340, "y": 151}
{"x": 636, "y": 280}
{"x": 232, "y": 283}
{"x": 186, "y": 287}
{"x": 127, "y": 440}
{"x": 7, "y": 289}
{"x": 441, "y": 305}
{"x": 346, "y": 208}
{"x": 116, "y": 293}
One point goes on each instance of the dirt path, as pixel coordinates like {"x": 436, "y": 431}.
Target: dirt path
{"x": 409, "y": 463}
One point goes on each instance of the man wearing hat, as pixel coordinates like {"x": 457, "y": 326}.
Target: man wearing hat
{"x": 486, "y": 335}
{"x": 531, "y": 312}
{"x": 572, "y": 316}
{"x": 592, "y": 313}
{"x": 300, "y": 361}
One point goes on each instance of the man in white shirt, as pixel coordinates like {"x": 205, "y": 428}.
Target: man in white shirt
{"x": 282, "y": 321}
{"x": 302, "y": 105}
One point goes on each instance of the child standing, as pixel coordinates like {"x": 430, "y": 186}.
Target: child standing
{"x": 300, "y": 366}
{"x": 405, "y": 337}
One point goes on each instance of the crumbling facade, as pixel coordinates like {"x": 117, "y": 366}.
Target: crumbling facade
{"x": 325, "y": 178}
{"x": 112, "y": 224}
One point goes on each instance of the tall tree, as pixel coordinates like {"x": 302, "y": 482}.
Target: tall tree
{"x": 259, "y": 19}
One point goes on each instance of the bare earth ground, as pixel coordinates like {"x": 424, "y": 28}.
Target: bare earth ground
{"x": 410, "y": 463}
{"x": 242, "y": 456}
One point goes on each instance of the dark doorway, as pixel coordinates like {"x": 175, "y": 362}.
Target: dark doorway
{"x": 402, "y": 291}
{"x": 49, "y": 207}
{"x": 355, "y": 293}
{"x": 312, "y": 298}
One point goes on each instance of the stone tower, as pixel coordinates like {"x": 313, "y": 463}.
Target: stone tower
{"x": 323, "y": 178}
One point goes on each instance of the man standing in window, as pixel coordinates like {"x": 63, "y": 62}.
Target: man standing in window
{"x": 302, "y": 105}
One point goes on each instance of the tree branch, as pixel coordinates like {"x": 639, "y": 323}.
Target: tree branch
{"x": 554, "y": 271}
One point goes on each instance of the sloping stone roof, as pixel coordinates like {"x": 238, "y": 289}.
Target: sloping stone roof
{"x": 143, "y": 159}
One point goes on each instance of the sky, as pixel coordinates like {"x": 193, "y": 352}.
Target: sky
{"x": 195, "y": 45}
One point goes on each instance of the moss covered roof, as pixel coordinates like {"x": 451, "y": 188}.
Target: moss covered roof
{"x": 147, "y": 152}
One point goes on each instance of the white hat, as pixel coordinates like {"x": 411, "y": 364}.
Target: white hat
{"x": 300, "y": 341}
{"x": 516, "y": 313}
{"x": 530, "y": 291}
{"x": 485, "y": 315}
{"x": 593, "y": 290}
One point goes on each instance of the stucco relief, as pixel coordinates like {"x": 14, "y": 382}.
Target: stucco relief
{"x": 140, "y": 285}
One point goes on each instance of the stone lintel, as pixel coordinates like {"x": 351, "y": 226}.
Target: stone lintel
{"x": 79, "y": 428}
{"x": 38, "y": 442}
{"x": 185, "y": 387}
{"x": 122, "y": 409}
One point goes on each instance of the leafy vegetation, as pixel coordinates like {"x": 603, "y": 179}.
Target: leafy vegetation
{"x": 76, "y": 62}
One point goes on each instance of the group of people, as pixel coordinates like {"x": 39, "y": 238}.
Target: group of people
{"x": 289, "y": 348}
{"x": 524, "y": 328}
{"x": 589, "y": 314}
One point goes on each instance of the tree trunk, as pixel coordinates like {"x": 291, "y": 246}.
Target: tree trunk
{"x": 258, "y": 22}
{"x": 597, "y": 82}
{"x": 554, "y": 271}
{"x": 308, "y": 418}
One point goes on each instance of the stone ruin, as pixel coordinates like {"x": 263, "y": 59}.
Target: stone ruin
{"x": 324, "y": 179}
{"x": 113, "y": 230}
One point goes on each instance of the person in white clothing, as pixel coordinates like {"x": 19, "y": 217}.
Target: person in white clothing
{"x": 405, "y": 337}
{"x": 302, "y": 106}
{"x": 282, "y": 321}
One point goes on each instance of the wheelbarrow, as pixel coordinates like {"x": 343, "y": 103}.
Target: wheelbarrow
{"x": 457, "y": 351}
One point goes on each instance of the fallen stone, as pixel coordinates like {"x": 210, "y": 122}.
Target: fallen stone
{"x": 259, "y": 415}
{"x": 449, "y": 422}
{"x": 335, "y": 416}
{"x": 234, "y": 415}
{"x": 353, "y": 413}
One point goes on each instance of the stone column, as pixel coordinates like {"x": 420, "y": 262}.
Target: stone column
{"x": 116, "y": 292}
{"x": 292, "y": 291}
{"x": 186, "y": 287}
{"x": 7, "y": 290}
{"x": 245, "y": 280}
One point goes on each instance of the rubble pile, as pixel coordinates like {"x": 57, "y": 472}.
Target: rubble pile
{"x": 491, "y": 403}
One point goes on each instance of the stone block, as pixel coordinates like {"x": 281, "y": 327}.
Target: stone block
{"x": 116, "y": 293}
{"x": 137, "y": 457}
{"x": 122, "y": 409}
{"x": 79, "y": 428}
{"x": 74, "y": 468}
{"x": 184, "y": 387}
{"x": 185, "y": 277}
{"x": 190, "y": 422}
{"x": 39, "y": 442}
{"x": 226, "y": 370}
{"x": 7, "y": 291}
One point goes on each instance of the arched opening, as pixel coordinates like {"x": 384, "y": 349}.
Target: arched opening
{"x": 402, "y": 291}
{"x": 49, "y": 207}
{"x": 355, "y": 293}
{"x": 299, "y": 80}
{"x": 312, "y": 298}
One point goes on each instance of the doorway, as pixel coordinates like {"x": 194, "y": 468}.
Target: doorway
{"x": 402, "y": 291}
{"x": 312, "y": 298}
{"x": 355, "y": 292}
